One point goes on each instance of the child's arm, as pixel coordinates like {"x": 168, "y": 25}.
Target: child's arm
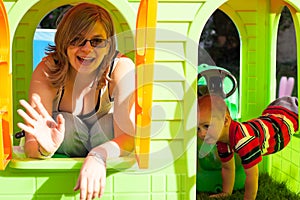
{"x": 228, "y": 176}
{"x": 251, "y": 183}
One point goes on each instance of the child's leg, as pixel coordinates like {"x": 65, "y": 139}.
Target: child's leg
{"x": 288, "y": 102}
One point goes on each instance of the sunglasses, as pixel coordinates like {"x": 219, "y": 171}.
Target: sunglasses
{"x": 96, "y": 42}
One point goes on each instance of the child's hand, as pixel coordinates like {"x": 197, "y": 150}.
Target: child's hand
{"x": 220, "y": 195}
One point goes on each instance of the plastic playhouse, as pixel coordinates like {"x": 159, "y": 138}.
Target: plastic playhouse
{"x": 165, "y": 162}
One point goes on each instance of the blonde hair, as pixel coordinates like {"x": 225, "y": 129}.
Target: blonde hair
{"x": 79, "y": 19}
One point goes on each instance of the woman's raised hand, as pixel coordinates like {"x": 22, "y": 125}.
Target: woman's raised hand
{"x": 48, "y": 133}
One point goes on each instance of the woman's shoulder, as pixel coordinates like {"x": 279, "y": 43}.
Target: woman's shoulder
{"x": 125, "y": 61}
{"x": 42, "y": 69}
{"x": 122, "y": 66}
{"x": 48, "y": 61}
{"x": 44, "y": 65}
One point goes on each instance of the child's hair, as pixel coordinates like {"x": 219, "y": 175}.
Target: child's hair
{"x": 214, "y": 103}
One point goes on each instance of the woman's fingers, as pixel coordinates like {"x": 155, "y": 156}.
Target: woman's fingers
{"x": 40, "y": 107}
{"x": 90, "y": 187}
{"x": 37, "y": 109}
{"x": 60, "y": 123}
{"x": 83, "y": 188}
{"x": 96, "y": 192}
{"x": 34, "y": 114}
{"x": 102, "y": 186}
{"x": 90, "y": 190}
{"x": 77, "y": 186}
{"x": 26, "y": 128}
{"x": 26, "y": 117}
{"x": 91, "y": 180}
{"x": 37, "y": 114}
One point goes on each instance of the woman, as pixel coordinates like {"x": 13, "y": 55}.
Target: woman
{"x": 81, "y": 98}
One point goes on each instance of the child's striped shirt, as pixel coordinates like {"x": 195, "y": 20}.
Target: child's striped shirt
{"x": 267, "y": 134}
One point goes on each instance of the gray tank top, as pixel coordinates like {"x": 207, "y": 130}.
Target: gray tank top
{"x": 104, "y": 104}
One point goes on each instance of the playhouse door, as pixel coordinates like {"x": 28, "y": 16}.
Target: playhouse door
{"x": 6, "y": 91}
{"x": 145, "y": 47}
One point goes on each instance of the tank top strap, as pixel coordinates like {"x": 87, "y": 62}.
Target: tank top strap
{"x": 114, "y": 62}
{"x": 57, "y": 99}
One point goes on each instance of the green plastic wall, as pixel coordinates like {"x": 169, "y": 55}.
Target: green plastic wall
{"x": 55, "y": 179}
{"x": 172, "y": 171}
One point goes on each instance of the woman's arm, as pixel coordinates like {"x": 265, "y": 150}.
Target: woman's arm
{"x": 38, "y": 110}
{"x": 122, "y": 90}
{"x": 41, "y": 86}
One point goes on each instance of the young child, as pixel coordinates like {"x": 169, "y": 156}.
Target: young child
{"x": 251, "y": 140}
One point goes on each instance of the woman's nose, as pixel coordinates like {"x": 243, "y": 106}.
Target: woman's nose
{"x": 87, "y": 46}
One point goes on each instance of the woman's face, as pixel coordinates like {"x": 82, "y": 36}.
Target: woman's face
{"x": 86, "y": 52}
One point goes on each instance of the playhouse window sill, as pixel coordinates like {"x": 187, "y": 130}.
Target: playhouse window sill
{"x": 16, "y": 162}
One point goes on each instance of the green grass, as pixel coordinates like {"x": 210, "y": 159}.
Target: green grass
{"x": 267, "y": 189}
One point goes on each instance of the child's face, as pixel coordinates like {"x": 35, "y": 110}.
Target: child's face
{"x": 210, "y": 126}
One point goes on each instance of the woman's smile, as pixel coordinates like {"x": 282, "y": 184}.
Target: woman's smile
{"x": 84, "y": 57}
{"x": 85, "y": 60}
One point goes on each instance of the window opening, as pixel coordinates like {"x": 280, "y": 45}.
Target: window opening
{"x": 286, "y": 56}
{"x": 45, "y": 32}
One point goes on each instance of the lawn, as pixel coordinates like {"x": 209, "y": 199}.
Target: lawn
{"x": 267, "y": 189}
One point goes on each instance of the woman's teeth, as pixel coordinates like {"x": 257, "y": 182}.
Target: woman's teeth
{"x": 85, "y": 60}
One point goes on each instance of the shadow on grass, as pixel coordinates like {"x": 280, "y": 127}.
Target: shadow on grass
{"x": 267, "y": 189}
